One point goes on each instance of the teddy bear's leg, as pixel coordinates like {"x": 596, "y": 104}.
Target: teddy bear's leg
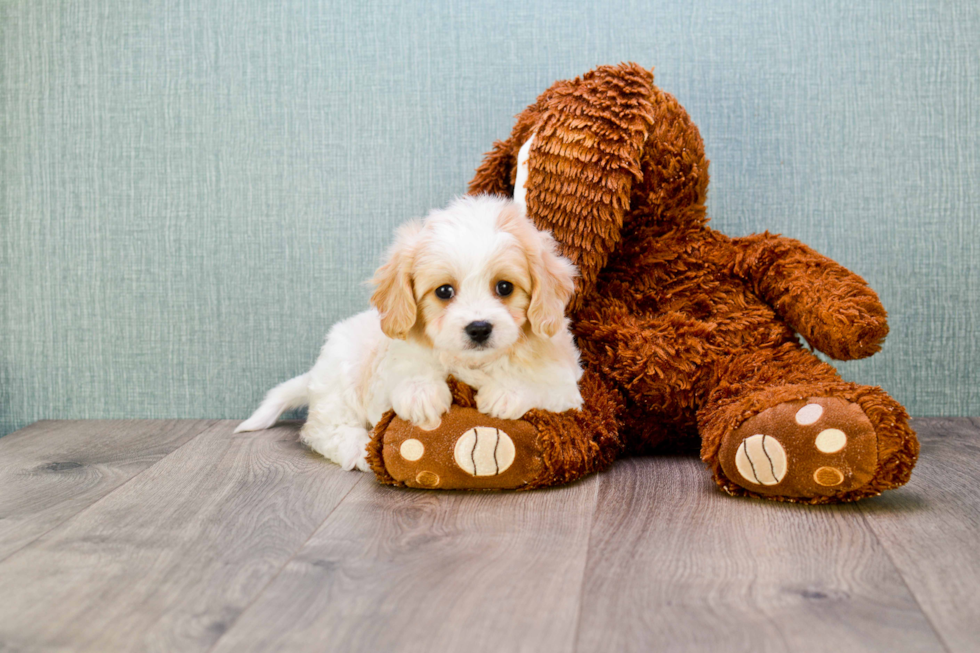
{"x": 783, "y": 425}
{"x": 473, "y": 451}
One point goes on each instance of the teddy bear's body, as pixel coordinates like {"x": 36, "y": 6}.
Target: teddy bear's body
{"x": 686, "y": 333}
{"x": 681, "y": 309}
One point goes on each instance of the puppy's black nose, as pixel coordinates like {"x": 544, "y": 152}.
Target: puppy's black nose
{"x": 478, "y": 332}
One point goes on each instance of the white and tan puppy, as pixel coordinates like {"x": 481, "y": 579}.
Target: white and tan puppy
{"x": 473, "y": 291}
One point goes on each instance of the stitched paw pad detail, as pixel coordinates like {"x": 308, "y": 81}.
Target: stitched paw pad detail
{"x": 760, "y": 459}
{"x": 816, "y": 447}
{"x": 484, "y": 451}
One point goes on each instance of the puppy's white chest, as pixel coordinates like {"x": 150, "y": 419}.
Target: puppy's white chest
{"x": 475, "y": 376}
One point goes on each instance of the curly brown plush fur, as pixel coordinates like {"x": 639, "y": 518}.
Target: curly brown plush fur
{"x": 693, "y": 333}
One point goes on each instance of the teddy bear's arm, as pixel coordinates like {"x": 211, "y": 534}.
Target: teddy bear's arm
{"x": 830, "y": 306}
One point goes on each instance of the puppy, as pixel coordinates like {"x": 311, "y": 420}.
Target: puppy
{"x": 473, "y": 291}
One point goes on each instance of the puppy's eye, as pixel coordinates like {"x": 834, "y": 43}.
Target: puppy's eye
{"x": 445, "y": 292}
{"x": 504, "y": 288}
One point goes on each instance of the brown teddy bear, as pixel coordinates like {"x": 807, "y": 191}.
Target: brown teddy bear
{"x": 685, "y": 333}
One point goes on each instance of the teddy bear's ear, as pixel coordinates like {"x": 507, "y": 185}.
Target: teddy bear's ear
{"x": 581, "y": 166}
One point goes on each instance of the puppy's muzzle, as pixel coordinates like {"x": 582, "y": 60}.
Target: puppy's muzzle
{"x": 478, "y": 332}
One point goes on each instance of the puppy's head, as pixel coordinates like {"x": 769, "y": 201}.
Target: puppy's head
{"x": 473, "y": 279}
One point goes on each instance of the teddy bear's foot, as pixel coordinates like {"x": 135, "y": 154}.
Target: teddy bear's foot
{"x": 822, "y": 446}
{"x": 473, "y": 451}
{"x": 468, "y": 450}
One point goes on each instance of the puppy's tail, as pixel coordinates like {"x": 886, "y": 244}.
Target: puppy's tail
{"x": 288, "y": 394}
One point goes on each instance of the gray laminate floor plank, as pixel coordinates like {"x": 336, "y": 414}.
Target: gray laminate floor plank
{"x": 169, "y": 560}
{"x": 931, "y": 529}
{"x": 404, "y": 570}
{"x": 51, "y": 470}
{"x": 675, "y": 565}
{"x": 149, "y": 538}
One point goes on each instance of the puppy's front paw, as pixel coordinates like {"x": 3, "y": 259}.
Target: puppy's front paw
{"x": 501, "y": 402}
{"x": 421, "y": 402}
{"x": 569, "y": 399}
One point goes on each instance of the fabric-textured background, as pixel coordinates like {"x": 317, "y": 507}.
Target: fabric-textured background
{"x": 192, "y": 191}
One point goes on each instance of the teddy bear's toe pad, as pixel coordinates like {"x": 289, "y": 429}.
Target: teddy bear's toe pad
{"x": 468, "y": 450}
{"x": 818, "y": 447}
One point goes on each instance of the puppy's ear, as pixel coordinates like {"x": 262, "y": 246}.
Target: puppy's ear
{"x": 553, "y": 281}
{"x": 393, "y": 295}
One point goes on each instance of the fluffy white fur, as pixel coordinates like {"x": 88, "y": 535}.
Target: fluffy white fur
{"x": 399, "y": 354}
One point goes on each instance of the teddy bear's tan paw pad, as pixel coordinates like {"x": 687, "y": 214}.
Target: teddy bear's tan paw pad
{"x": 484, "y": 451}
{"x": 818, "y": 447}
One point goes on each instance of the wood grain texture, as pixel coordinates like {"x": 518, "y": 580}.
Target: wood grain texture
{"x": 675, "y": 565}
{"x": 51, "y": 470}
{"x": 404, "y": 570}
{"x": 168, "y": 561}
{"x": 163, "y": 540}
{"x": 931, "y": 530}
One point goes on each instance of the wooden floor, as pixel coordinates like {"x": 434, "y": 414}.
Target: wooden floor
{"x": 180, "y": 536}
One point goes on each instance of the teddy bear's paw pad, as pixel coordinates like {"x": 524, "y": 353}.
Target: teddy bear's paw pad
{"x": 484, "y": 451}
{"x": 761, "y": 460}
{"x": 818, "y": 447}
{"x": 468, "y": 450}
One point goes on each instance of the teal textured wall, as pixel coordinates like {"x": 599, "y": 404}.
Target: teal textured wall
{"x": 191, "y": 191}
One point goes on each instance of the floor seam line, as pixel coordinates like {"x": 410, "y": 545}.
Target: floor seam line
{"x": 901, "y": 574}
{"x": 286, "y": 563}
{"x": 585, "y": 563}
{"x": 208, "y": 425}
